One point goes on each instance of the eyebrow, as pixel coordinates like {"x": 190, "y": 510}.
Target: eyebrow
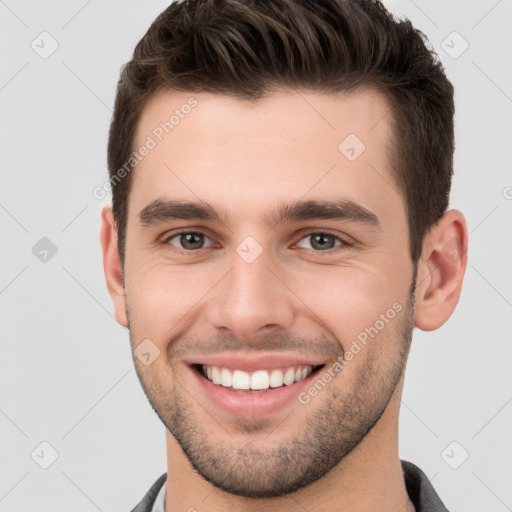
{"x": 160, "y": 211}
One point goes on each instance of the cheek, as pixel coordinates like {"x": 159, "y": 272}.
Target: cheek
{"x": 351, "y": 301}
{"x": 161, "y": 298}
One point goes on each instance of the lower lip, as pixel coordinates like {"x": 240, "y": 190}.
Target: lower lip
{"x": 253, "y": 404}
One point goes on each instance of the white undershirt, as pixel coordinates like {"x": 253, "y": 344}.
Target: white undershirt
{"x": 159, "y": 505}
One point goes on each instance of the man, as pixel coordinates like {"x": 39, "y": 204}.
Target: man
{"x": 281, "y": 172}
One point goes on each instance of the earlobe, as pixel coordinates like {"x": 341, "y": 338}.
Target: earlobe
{"x": 441, "y": 271}
{"x": 112, "y": 265}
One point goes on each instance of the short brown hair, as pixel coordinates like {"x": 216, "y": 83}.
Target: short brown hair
{"x": 248, "y": 48}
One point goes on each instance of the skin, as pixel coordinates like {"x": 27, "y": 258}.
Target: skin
{"x": 295, "y": 298}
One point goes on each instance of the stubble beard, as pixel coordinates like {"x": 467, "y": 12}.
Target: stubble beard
{"x": 338, "y": 421}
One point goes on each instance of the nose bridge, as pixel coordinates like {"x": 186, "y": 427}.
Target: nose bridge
{"x": 251, "y": 296}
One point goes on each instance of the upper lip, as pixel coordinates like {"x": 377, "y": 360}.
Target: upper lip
{"x": 254, "y": 363}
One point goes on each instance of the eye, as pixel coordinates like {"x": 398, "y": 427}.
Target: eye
{"x": 323, "y": 241}
{"x": 189, "y": 240}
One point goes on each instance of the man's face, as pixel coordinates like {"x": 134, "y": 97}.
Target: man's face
{"x": 277, "y": 292}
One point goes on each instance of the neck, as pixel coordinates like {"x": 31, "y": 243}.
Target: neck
{"x": 369, "y": 478}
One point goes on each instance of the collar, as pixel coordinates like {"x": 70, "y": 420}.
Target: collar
{"x": 419, "y": 488}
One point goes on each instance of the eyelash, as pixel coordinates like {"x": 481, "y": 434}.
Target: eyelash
{"x": 344, "y": 243}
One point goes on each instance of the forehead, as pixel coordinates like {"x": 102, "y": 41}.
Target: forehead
{"x": 302, "y": 114}
{"x": 288, "y": 145}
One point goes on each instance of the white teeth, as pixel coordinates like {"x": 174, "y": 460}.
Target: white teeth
{"x": 276, "y": 379}
{"x": 216, "y": 378}
{"x": 289, "y": 376}
{"x": 225, "y": 378}
{"x": 241, "y": 380}
{"x": 259, "y": 380}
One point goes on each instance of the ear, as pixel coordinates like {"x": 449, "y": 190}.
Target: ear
{"x": 441, "y": 270}
{"x": 112, "y": 264}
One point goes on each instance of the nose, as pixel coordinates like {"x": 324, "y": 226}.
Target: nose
{"x": 252, "y": 299}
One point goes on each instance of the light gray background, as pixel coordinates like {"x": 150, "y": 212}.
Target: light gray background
{"x": 67, "y": 376}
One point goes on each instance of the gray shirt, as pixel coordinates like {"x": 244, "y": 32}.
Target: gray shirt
{"x": 420, "y": 491}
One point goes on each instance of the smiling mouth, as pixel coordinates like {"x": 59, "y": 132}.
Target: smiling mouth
{"x": 261, "y": 381}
